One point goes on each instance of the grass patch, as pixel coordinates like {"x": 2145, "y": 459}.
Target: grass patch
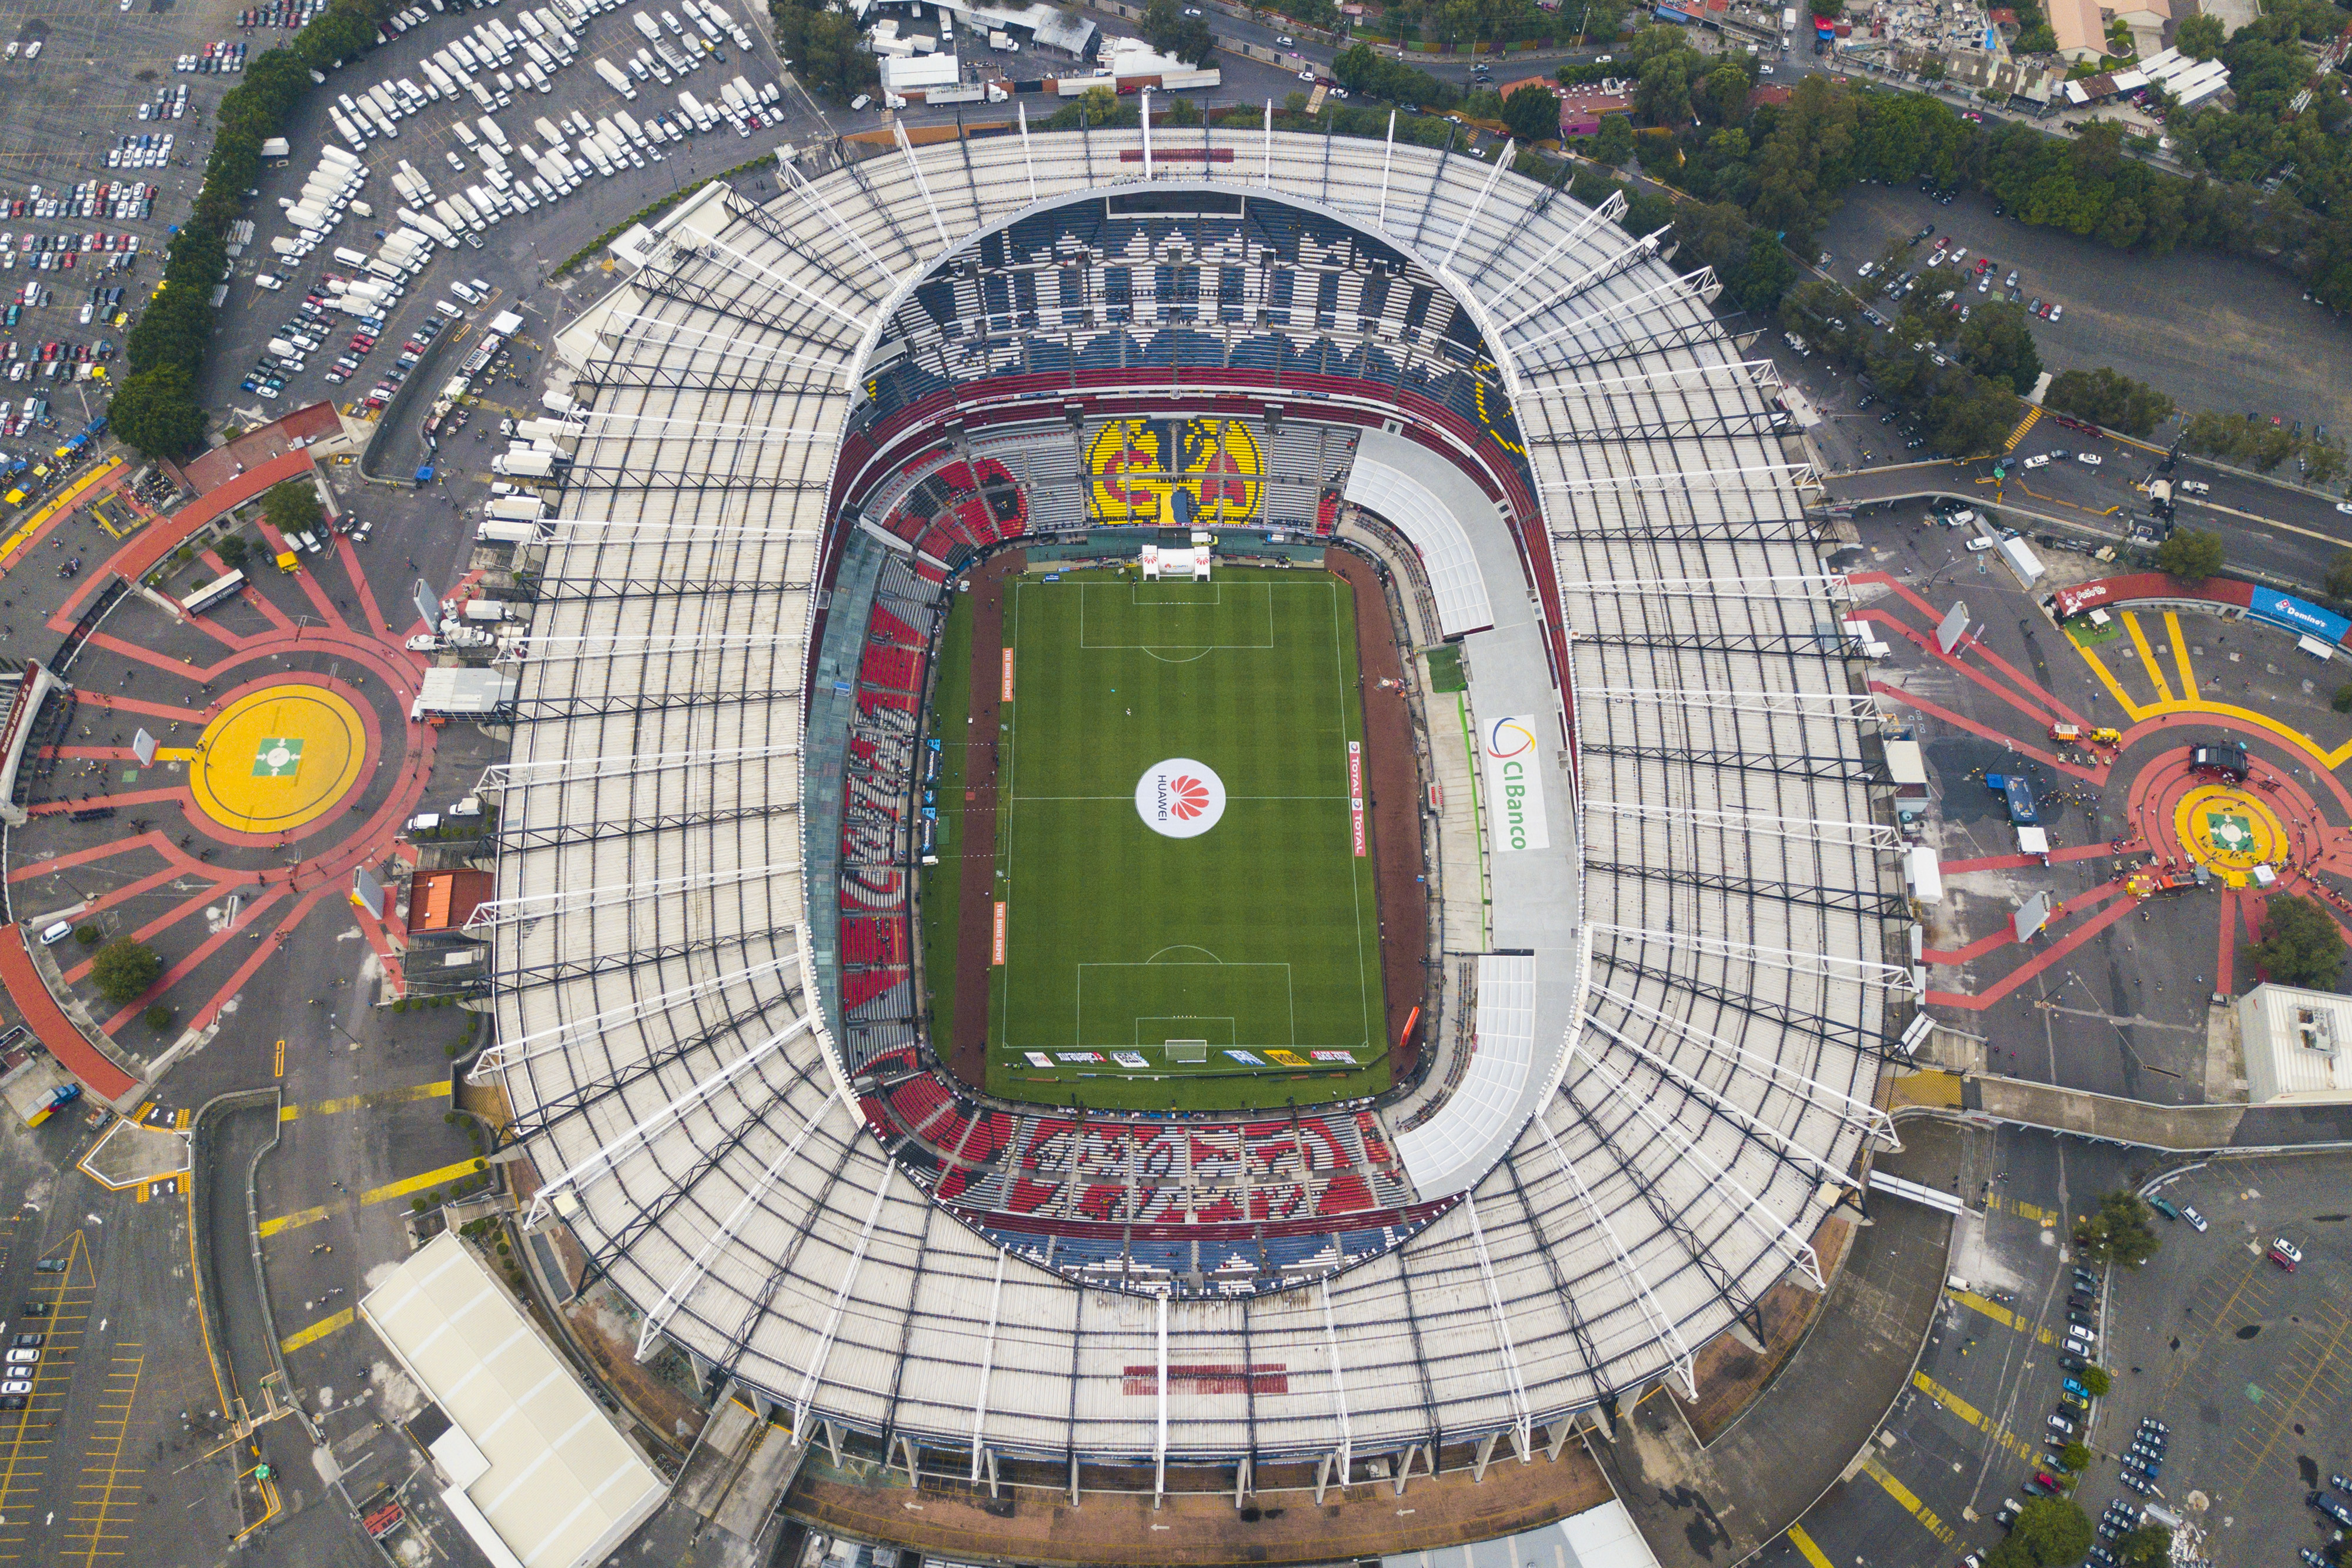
{"x": 1258, "y": 937}
{"x": 1445, "y": 669}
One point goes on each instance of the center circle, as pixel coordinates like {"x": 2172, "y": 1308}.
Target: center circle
{"x": 1179, "y": 798}
{"x": 278, "y": 757}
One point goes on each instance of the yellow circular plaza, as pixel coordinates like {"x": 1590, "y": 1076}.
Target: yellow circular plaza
{"x": 2231, "y": 830}
{"x": 279, "y": 758}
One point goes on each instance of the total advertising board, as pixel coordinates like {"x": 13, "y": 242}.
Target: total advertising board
{"x": 1513, "y": 747}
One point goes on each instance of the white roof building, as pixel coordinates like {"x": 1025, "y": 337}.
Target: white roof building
{"x": 539, "y": 1475}
{"x": 2295, "y": 1042}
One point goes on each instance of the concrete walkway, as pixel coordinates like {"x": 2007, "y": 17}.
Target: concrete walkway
{"x": 1714, "y": 1506}
{"x": 2185, "y": 1129}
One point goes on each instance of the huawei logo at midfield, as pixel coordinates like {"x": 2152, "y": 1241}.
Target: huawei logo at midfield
{"x": 1187, "y": 797}
{"x": 1180, "y": 799}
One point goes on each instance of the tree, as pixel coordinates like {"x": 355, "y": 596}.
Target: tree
{"x": 825, "y": 47}
{"x": 1614, "y": 145}
{"x": 2052, "y": 1529}
{"x": 1169, "y": 30}
{"x": 2300, "y": 945}
{"x": 1532, "y": 113}
{"x": 231, "y": 548}
{"x": 2150, "y": 1543}
{"x": 2076, "y": 1458}
{"x": 159, "y": 1017}
{"x": 124, "y": 969}
{"x": 156, "y": 411}
{"x": 2339, "y": 575}
{"x": 2190, "y": 553}
{"x": 1996, "y": 343}
{"x": 292, "y": 507}
{"x": 2104, "y": 396}
{"x": 2118, "y": 1232}
{"x": 2200, "y": 36}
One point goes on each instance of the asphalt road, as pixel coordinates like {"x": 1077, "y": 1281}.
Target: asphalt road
{"x": 2273, "y": 531}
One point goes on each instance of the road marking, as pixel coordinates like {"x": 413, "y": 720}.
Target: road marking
{"x": 104, "y": 1503}
{"x": 1805, "y": 1547}
{"x": 2032, "y": 417}
{"x": 446, "y": 1174}
{"x": 2180, "y": 655}
{"x": 1971, "y": 1415}
{"x": 2000, "y": 1314}
{"x": 2147, "y": 657}
{"x": 294, "y": 1222}
{"x": 367, "y": 1102}
{"x": 1910, "y": 1501}
{"x": 315, "y": 1331}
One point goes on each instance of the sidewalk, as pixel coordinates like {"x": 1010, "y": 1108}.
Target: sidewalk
{"x": 103, "y": 1077}
{"x": 2183, "y": 1129}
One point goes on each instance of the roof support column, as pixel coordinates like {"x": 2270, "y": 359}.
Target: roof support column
{"x": 1160, "y": 1440}
{"x": 987, "y": 1364}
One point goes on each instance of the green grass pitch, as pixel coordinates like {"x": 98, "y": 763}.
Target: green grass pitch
{"x": 1259, "y": 936}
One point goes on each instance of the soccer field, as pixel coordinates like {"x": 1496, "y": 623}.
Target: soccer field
{"x": 1187, "y": 920}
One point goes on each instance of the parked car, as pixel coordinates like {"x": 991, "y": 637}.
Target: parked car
{"x": 2193, "y": 1218}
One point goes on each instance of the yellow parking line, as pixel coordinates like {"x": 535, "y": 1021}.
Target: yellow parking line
{"x": 294, "y": 1222}
{"x": 1998, "y": 1314}
{"x": 445, "y": 1174}
{"x": 1805, "y": 1547}
{"x": 1970, "y": 1414}
{"x": 315, "y": 1331}
{"x": 366, "y": 1102}
{"x": 2180, "y": 655}
{"x": 2147, "y": 657}
{"x": 1910, "y": 1501}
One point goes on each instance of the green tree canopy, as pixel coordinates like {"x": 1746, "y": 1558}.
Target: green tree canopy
{"x": 2106, "y": 396}
{"x": 1532, "y": 113}
{"x": 825, "y": 47}
{"x": 2150, "y": 1543}
{"x": 2190, "y": 553}
{"x": 2074, "y": 1458}
{"x": 156, "y": 411}
{"x": 292, "y": 507}
{"x": 1614, "y": 145}
{"x": 2200, "y": 36}
{"x": 2096, "y": 1380}
{"x": 2116, "y": 1232}
{"x": 1997, "y": 343}
{"x": 2339, "y": 575}
{"x": 2301, "y": 945}
{"x": 124, "y": 969}
{"x": 1169, "y": 30}
{"x": 2052, "y": 1529}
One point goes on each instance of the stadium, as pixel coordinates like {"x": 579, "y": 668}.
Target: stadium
{"x": 1493, "y": 1011}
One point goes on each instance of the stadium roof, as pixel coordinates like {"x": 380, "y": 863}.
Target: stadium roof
{"x": 1709, "y": 1000}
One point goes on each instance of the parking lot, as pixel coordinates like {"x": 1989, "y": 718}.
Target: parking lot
{"x": 2249, "y": 1418}
{"x": 445, "y": 145}
{"x": 120, "y": 1446}
{"x": 2246, "y": 1362}
{"x": 2213, "y": 332}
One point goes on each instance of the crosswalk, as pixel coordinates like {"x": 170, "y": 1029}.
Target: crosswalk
{"x": 2032, "y": 417}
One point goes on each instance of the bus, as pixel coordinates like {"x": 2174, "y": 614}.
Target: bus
{"x": 213, "y": 593}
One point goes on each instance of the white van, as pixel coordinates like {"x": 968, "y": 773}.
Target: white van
{"x": 56, "y": 933}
